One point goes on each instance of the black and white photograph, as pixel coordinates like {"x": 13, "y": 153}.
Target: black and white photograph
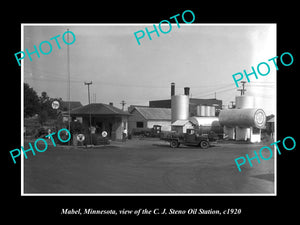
{"x": 146, "y": 112}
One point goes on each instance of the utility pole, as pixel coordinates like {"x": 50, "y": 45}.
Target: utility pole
{"x": 243, "y": 89}
{"x": 123, "y": 103}
{"x": 94, "y": 98}
{"x": 88, "y": 84}
{"x": 69, "y": 85}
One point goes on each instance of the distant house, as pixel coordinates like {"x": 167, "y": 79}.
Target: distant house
{"x": 103, "y": 117}
{"x": 65, "y": 108}
{"x": 73, "y": 105}
{"x": 145, "y": 117}
{"x": 270, "y": 127}
{"x": 180, "y": 126}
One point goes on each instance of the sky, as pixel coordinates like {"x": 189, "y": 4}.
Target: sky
{"x": 200, "y": 56}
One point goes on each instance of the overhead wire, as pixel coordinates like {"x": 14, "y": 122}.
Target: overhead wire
{"x": 215, "y": 88}
{"x": 58, "y": 78}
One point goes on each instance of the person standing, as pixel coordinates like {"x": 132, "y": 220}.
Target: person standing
{"x": 124, "y": 135}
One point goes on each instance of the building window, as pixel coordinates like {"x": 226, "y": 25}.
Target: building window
{"x": 139, "y": 124}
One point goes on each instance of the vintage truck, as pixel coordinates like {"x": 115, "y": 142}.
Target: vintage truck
{"x": 191, "y": 137}
{"x": 155, "y": 131}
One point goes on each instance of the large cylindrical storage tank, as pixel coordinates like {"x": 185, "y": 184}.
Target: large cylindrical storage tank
{"x": 179, "y": 107}
{"x": 244, "y": 102}
{"x": 203, "y": 121}
{"x": 200, "y": 110}
{"x": 212, "y": 111}
{"x": 207, "y": 110}
{"x": 229, "y": 133}
{"x": 205, "y": 124}
{"x": 242, "y": 134}
{"x": 243, "y": 118}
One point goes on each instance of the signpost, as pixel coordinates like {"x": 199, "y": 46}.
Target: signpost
{"x": 80, "y": 137}
{"x": 55, "y": 104}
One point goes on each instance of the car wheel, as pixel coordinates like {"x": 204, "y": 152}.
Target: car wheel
{"x": 174, "y": 144}
{"x": 204, "y": 144}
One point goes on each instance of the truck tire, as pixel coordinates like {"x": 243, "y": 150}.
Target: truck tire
{"x": 204, "y": 144}
{"x": 174, "y": 144}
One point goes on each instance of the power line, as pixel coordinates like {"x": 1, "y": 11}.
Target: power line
{"x": 243, "y": 89}
{"x": 123, "y": 103}
{"x": 69, "y": 83}
{"x": 218, "y": 92}
{"x": 90, "y": 114}
{"x": 47, "y": 79}
{"x": 88, "y": 84}
{"x": 56, "y": 77}
{"x": 212, "y": 90}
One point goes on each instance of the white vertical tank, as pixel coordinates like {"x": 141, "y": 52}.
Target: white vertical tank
{"x": 212, "y": 111}
{"x": 179, "y": 107}
{"x": 244, "y": 102}
{"x": 207, "y": 110}
{"x": 200, "y": 110}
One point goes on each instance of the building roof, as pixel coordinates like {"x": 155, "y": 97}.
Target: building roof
{"x": 98, "y": 109}
{"x": 132, "y": 107}
{"x": 154, "y": 113}
{"x": 181, "y": 123}
{"x": 73, "y": 105}
{"x": 271, "y": 118}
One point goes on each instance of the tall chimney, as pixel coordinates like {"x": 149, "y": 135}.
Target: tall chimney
{"x": 187, "y": 91}
{"x": 172, "y": 89}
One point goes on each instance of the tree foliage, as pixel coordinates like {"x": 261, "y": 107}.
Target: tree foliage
{"x": 41, "y": 105}
{"x": 31, "y": 101}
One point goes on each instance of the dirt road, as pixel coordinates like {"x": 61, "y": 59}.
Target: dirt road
{"x": 147, "y": 166}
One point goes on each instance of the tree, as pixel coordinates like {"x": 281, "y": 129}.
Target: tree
{"x": 44, "y": 98}
{"x": 41, "y": 105}
{"x": 31, "y": 101}
{"x": 46, "y": 106}
{"x": 43, "y": 116}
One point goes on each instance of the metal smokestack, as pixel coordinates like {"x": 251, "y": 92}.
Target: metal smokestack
{"x": 187, "y": 91}
{"x": 172, "y": 89}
